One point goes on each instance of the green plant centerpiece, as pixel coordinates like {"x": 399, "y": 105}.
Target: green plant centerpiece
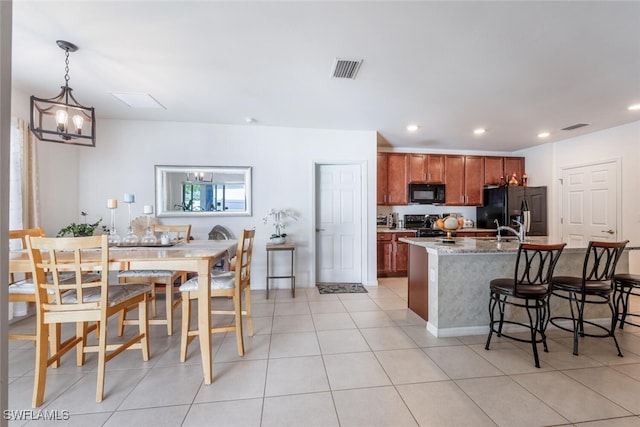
{"x": 82, "y": 229}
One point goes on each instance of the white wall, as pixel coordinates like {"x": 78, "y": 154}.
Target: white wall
{"x": 58, "y": 170}
{"x": 545, "y": 162}
{"x": 75, "y": 179}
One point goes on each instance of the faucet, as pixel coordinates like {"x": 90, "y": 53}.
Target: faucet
{"x": 520, "y": 233}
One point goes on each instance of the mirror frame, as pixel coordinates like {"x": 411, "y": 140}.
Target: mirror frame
{"x": 162, "y": 171}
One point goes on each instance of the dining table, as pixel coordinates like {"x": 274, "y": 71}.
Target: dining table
{"x": 197, "y": 256}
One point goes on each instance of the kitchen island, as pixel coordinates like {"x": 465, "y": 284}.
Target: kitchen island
{"x": 449, "y": 283}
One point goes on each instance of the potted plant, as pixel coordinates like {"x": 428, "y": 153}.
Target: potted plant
{"x": 82, "y": 229}
{"x": 279, "y": 217}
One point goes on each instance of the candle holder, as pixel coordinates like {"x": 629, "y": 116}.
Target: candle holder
{"x": 130, "y": 238}
{"x": 114, "y": 238}
{"x": 149, "y": 237}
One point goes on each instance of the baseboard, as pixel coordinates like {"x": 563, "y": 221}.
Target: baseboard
{"x": 484, "y": 330}
{"x": 457, "y": 332}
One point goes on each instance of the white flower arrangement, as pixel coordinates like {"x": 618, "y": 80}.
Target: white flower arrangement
{"x": 279, "y": 219}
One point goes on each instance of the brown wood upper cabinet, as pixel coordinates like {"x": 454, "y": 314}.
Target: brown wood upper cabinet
{"x": 464, "y": 176}
{"x": 502, "y": 167}
{"x": 428, "y": 168}
{"x": 392, "y": 178}
{"x": 464, "y": 180}
{"x": 494, "y": 170}
{"x": 511, "y": 165}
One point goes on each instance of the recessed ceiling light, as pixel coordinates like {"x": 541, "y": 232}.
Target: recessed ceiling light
{"x": 412, "y": 128}
{"x": 137, "y": 100}
{"x": 543, "y": 134}
{"x": 479, "y": 131}
{"x": 634, "y": 107}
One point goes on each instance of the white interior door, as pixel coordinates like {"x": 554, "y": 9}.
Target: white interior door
{"x": 589, "y": 203}
{"x": 338, "y": 223}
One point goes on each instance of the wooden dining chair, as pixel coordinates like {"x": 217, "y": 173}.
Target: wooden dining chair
{"x": 164, "y": 279}
{"x": 232, "y": 284}
{"x": 23, "y": 290}
{"x": 80, "y": 302}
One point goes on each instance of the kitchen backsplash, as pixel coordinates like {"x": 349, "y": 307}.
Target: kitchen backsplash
{"x": 467, "y": 212}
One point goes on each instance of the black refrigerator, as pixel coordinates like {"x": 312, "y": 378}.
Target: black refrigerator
{"x": 510, "y": 203}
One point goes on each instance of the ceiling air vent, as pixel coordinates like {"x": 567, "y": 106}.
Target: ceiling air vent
{"x": 345, "y": 68}
{"x": 576, "y": 126}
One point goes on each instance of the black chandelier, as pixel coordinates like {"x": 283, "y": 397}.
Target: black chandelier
{"x": 63, "y": 119}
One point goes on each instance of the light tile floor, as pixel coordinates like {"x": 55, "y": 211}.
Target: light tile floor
{"x": 344, "y": 360}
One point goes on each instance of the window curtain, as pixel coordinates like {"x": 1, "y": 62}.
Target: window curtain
{"x": 24, "y": 207}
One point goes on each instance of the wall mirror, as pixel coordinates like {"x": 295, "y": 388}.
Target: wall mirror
{"x": 203, "y": 191}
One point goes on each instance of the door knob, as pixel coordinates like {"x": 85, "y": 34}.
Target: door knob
{"x": 609, "y": 231}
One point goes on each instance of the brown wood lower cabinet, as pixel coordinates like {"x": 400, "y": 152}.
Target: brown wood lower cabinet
{"x": 392, "y": 255}
{"x": 418, "y": 278}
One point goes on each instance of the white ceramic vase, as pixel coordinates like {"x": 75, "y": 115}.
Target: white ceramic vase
{"x": 278, "y": 240}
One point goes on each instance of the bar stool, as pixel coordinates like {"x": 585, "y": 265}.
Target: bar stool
{"x": 595, "y": 286}
{"x": 528, "y": 289}
{"x": 625, "y": 285}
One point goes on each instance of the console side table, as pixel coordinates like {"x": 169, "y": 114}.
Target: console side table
{"x": 291, "y": 247}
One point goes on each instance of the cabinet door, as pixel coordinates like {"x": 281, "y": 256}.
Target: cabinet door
{"x": 384, "y": 254}
{"x": 435, "y": 168}
{"x": 513, "y": 164}
{"x": 397, "y": 182}
{"x": 493, "y": 170}
{"x": 402, "y": 258}
{"x": 382, "y": 179}
{"x": 473, "y": 180}
{"x": 417, "y": 168}
{"x": 454, "y": 180}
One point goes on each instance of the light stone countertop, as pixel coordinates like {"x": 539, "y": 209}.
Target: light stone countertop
{"x": 410, "y": 230}
{"x": 394, "y": 230}
{"x": 482, "y": 245}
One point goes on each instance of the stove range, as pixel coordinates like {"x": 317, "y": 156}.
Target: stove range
{"x": 421, "y": 223}
{"x": 429, "y": 232}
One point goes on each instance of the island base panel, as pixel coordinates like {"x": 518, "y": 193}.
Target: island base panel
{"x": 418, "y": 281}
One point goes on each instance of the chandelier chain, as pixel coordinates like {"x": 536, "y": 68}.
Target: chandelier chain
{"x": 66, "y": 68}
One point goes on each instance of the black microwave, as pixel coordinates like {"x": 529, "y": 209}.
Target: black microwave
{"x": 426, "y": 194}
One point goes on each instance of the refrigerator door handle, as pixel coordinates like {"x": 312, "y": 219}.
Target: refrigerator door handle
{"x": 526, "y": 220}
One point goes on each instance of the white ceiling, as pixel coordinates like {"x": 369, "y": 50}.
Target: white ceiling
{"x": 516, "y": 68}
